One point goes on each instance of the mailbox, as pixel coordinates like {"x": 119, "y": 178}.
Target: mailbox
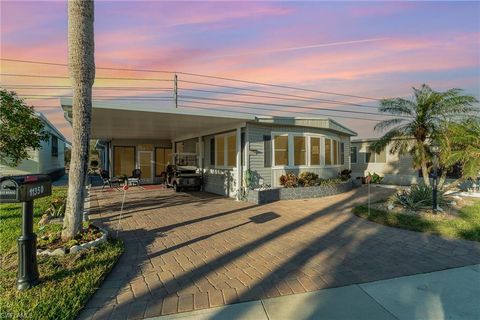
{"x": 24, "y": 188}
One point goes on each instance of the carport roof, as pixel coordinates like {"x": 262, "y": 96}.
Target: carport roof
{"x": 124, "y": 119}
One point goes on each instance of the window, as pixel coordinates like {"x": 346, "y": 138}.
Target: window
{"x": 353, "y": 154}
{"x": 299, "y": 151}
{"x": 335, "y": 152}
{"x": 281, "y": 150}
{"x": 328, "y": 152}
{"x": 371, "y": 156}
{"x": 163, "y": 157}
{"x": 220, "y": 151}
{"x": 314, "y": 151}
{"x": 54, "y": 146}
{"x": 124, "y": 160}
{"x": 267, "y": 154}
{"x": 231, "y": 150}
{"x": 226, "y": 150}
{"x": 342, "y": 153}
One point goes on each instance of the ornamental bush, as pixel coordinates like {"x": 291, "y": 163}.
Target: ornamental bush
{"x": 307, "y": 179}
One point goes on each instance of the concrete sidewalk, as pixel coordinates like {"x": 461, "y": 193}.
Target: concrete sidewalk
{"x": 447, "y": 294}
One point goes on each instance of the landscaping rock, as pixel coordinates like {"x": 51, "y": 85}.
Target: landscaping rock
{"x": 453, "y": 203}
{"x": 45, "y": 252}
{"x": 75, "y": 249}
{"x": 390, "y": 206}
{"x": 58, "y": 252}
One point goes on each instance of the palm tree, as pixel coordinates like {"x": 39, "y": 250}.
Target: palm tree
{"x": 462, "y": 140}
{"x": 420, "y": 120}
{"x": 82, "y": 73}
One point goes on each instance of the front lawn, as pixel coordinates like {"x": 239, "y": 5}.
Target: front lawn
{"x": 466, "y": 225}
{"x": 66, "y": 282}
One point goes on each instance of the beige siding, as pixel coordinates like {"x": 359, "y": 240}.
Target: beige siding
{"x": 396, "y": 170}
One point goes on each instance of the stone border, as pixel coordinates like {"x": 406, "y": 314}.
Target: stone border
{"x": 76, "y": 248}
{"x": 276, "y": 194}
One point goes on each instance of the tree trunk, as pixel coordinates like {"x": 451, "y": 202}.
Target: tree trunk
{"x": 82, "y": 74}
{"x": 423, "y": 164}
{"x": 442, "y": 179}
{"x": 454, "y": 184}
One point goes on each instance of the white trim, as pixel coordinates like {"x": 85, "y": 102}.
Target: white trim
{"x": 238, "y": 161}
{"x": 210, "y": 132}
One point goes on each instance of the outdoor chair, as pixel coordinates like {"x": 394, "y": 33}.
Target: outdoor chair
{"x": 107, "y": 181}
{"x": 135, "y": 178}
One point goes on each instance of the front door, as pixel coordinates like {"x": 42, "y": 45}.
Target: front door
{"x": 145, "y": 164}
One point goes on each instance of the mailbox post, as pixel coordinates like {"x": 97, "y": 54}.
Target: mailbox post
{"x": 25, "y": 189}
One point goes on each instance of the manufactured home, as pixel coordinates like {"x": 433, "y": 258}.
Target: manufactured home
{"x": 227, "y": 143}
{"x": 48, "y": 159}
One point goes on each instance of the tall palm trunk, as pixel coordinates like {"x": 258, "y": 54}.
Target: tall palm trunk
{"x": 423, "y": 163}
{"x": 82, "y": 74}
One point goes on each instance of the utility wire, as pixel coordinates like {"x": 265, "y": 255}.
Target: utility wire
{"x": 268, "y": 109}
{"x": 298, "y": 98}
{"x": 205, "y": 76}
{"x": 27, "y": 87}
{"x": 63, "y": 77}
{"x": 282, "y": 105}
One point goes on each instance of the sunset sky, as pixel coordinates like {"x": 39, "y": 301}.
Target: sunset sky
{"x": 368, "y": 49}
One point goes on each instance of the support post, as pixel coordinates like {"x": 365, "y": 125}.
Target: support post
{"x": 27, "y": 275}
{"x": 239, "y": 163}
{"x": 175, "y": 90}
{"x": 435, "y": 183}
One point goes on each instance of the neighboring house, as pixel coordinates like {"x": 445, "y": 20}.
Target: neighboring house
{"x": 394, "y": 169}
{"x": 48, "y": 159}
{"x": 227, "y": 143}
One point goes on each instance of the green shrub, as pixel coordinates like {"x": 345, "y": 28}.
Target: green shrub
{"x": 345, "y": 174}
{"x": 289, "y": 180}
{"x": 375, "y": 178}
{"x": 418, "y": 197}
{"x": 307, "y": 179}
{"x": 329, "y": 181}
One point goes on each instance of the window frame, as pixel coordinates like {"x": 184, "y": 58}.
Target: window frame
{"x": 308, "y": 136}
{"x": 225, "y": 136}
{"x": 356, "y": 155}
{"x": 134, "y": 158}
{"x": 54, "y": 146}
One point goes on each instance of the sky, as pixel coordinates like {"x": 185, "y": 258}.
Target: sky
{"x": 367, "y": 49}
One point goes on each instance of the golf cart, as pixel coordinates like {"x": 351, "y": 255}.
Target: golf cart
{"x": 183, "y": 173}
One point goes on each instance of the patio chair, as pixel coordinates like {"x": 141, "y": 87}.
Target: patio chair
{"x": 107, "y": 181}
{"x": 135, "y": 178}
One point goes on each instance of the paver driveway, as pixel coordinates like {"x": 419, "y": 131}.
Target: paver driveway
{"x": 192, "y": 251}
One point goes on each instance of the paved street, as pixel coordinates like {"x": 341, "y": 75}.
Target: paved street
{"x": 194, "y": 251}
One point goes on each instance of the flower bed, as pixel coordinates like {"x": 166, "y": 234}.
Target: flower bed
{"x": 50, "y": 243}
{"x": 276, "y": 194}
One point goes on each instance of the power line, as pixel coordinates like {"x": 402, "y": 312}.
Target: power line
{"x": 111, "y": 98}
{"x": 299, "y": 98}
{"x": 41, "y": 87}
{"x": 206, "y": 76}
{"x": 267, "y": 109}
{"x": 63, "y": 77}
{"x": 282, "y": 105}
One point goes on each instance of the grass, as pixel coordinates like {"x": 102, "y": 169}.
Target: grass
{"x": 66, "y": 282}
{"x": 464, "y": 226}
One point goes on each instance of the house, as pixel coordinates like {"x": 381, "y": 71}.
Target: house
{"x": 48, "y": 159}
{"x": 394, "y": 168}
{"x": 137, "y": 134}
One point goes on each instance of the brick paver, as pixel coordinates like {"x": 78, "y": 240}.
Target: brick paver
{"x": 194, "y": 251}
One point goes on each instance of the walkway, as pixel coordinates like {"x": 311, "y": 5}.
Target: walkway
{"x": 194, "y": 251}
{"x": 448, "y": 294}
